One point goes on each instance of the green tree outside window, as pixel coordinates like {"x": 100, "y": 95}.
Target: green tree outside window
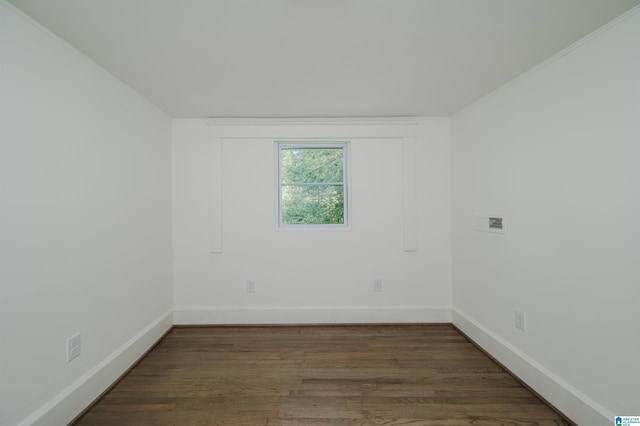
{"x": 312, "y": 184}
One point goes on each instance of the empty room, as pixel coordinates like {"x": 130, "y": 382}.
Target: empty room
{"x": 319, "y": 212}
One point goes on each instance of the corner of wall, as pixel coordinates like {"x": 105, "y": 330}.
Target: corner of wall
{"x": 73, "y": 400}
{"x": 570, "y": 401}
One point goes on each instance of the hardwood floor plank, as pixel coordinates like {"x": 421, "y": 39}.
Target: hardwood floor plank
{"x": 318, "y": 375}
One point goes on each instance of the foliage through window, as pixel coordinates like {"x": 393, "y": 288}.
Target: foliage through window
{"x": 312, "y": 182}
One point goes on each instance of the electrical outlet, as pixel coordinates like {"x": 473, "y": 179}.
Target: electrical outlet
{"x": 377, "y": 285}
{"x": 251, "y": 286}
{"x": 520, "y": 320}
{"x": 73, "y": 347}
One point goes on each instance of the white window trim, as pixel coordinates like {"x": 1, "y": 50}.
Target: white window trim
{"x": 346, "y": 180}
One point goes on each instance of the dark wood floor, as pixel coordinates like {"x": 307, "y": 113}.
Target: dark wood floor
{"x": 318, "y": 375}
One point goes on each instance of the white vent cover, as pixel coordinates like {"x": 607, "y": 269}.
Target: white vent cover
{"x": 490, "y": 223}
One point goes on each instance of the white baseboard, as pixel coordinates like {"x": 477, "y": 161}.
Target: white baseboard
{"x": 570, "y": 401}
{"x": 189, "y": 315}
{"x": 65, "y": 406}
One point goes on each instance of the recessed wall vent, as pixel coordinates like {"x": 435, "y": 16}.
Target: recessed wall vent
{"x": 495, "y": 222}
{"x": 490, "y": 223}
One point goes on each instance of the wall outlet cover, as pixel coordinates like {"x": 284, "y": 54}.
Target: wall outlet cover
{"x": 73, "y": 347}
{"x": 520, "y": 320}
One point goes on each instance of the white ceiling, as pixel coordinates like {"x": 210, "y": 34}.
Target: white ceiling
{"x": 319, "y": 58}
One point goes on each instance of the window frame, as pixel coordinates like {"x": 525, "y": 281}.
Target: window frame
{"x": 344, "y": 145}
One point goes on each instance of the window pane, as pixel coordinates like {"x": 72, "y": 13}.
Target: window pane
{"x": 311, "y": 165}
{"x": 313, "y": 205}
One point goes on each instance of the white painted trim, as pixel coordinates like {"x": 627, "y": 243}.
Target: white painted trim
{"x": 184, "y": 315}
{"x": 70, "y": 402}
{"x": 309, "y": 131}
{"x": 341, "y": 121}
{"x": 294, "y": 129}
{"x": 215, "y": 196}
{"x": 409, "y": 214}
{"x": 566, "y": 398}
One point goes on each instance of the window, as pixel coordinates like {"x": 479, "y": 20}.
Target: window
{"x": 312, "y": 184}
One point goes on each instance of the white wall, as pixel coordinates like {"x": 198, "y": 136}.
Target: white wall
{"x": 309, "y": 276}
{"x": 85, "y": 192}
{"x": 84, "y": 224}
{"x": 557, "y": 152}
